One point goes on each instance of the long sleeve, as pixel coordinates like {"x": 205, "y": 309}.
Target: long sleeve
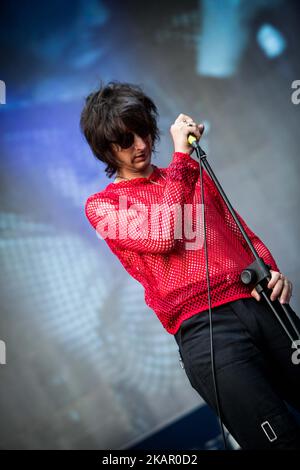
{"x": 258, "y": 244}
{"x": 260, "y": 247}
{"x": 151, "y": 226}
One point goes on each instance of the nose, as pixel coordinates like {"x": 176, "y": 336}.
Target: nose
{"x": 139, "y": 143}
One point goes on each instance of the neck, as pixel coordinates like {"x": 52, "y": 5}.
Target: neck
{"x": 129, "y": 174}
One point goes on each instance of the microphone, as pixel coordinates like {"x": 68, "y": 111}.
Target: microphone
{"x": 192, "y": 140}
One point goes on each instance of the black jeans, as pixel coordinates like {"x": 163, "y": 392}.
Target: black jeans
{"x": 255, "y": 374}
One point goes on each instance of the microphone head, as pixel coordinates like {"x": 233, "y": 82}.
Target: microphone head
{"x": 191, "y": 139}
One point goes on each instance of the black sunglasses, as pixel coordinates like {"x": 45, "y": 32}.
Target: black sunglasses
{"x": 126, "y": 139}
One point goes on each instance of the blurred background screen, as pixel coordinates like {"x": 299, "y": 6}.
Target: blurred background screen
{"x": 85, "y": 363}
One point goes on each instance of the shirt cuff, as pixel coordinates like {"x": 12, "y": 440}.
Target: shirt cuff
{"x": 177, "y": 156}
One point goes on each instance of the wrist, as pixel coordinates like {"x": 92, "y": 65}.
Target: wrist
{"x": 185, "y": 151}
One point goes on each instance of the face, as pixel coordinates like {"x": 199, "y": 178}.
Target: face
{"x": 137, "y": 157}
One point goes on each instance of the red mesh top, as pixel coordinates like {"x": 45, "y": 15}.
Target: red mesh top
{"x": 146, "y": 223}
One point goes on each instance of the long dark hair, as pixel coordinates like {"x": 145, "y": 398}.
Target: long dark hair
{"x": 110, "y": 112}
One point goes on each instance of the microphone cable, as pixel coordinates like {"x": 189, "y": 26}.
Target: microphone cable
{"x": 200, "y": 153}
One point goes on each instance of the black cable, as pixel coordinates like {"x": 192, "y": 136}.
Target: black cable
{"x": 201, "y": 153}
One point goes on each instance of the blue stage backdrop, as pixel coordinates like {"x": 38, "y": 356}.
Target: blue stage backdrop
{"x": 88, "y": 365}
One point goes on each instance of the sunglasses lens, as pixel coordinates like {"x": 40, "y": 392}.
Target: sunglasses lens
{"x": 126, "y": 140}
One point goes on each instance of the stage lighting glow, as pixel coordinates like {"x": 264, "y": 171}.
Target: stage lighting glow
{"x": 271, "y": 41}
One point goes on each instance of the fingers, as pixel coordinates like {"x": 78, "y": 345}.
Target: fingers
{"x": 192, "y": 128}
{"x": 201, "y": 128}
{"x": 255, "y": 294}
{"x": 189, "y": 126}
{"x": 282, "y": 287}
{"x": 286, "y": 292}
{"x": 181, "y": 117}
{"x": 277, "y": 289}
{"x": 181, "y": 128}
{"x": 275, "y": 277}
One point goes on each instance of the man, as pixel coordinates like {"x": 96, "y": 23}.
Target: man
{"x": 150, "y": 219}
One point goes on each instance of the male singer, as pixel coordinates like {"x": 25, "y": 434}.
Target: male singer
{"x": 150, "y": 219}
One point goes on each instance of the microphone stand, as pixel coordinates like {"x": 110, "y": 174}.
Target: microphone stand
{"x": 257, "y": 273}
